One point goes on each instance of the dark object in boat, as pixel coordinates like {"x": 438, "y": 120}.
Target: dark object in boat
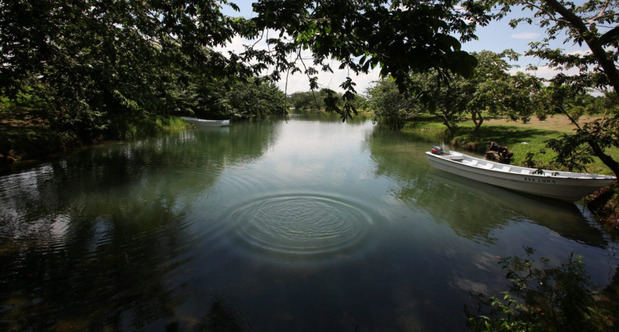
{"x": 498, "y": 153}
{"x": 437, "y": 150}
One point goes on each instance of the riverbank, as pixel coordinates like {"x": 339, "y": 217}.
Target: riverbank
{"x": 26, "y": 138}
{"x": 520, "y": 138}
{"x": 528, "y": 143}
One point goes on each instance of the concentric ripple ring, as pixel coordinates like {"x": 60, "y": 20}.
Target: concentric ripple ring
{"x": 301, "y": 223}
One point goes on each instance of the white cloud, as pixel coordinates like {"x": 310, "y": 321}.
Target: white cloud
{"x": 300, "y": 82}
{"x": 548, "y": 72}
{"x": 525, "y": 35}
{"x": 545, "y": 72}
{"x": 579, "y": 52}
{"x": 234, "y": 46}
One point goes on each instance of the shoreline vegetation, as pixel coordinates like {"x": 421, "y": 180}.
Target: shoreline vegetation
{"x": 528, "y": 143}
{"x": 31, "y": 130}
{"x": 28, "y": 140}
{"x": 520, "y": 138}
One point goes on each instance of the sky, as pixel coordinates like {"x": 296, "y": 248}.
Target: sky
{"x": 496, "y": 37}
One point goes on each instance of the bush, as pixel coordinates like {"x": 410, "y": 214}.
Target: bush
{"x": 543, "y": 299}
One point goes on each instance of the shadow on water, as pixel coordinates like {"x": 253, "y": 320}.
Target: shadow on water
{"x": 87, "y": 242}
{"x": 220, "y": 318}
{"x": 472, "y": 209}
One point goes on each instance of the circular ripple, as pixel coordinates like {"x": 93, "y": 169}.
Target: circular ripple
{"x": 301, "y": 224}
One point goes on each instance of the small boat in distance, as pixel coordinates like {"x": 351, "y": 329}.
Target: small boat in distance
{"x": 566, "y": 186}
{"x": 206, "y": 123}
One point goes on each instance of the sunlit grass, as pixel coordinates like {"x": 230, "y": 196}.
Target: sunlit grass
{"x": 555, "y": 123}
{"x": 518, "y": 137}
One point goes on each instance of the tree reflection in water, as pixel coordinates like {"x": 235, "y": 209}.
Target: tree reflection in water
{"x": 87, "y": 242}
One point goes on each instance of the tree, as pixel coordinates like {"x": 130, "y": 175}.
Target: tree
{"x": 322, "y": 100}
{"x": 92, "y": 62}
{"x": 490, "y": 90}
{"x": 311, "y": 100}
{"x": 523, "y": 97}
{"x": 256, "y": 98}
{"x": 495, "y": 92}
{"x": 595, "y": 136}
{"x": 446, "y": 99}
{"x": 400, "y": 36}
{"x": 304, "y": 101}
{"x": 391, "y": 107}
{"x": 592, "y": 23}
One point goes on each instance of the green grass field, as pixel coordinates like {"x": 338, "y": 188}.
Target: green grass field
{"x": 519, "y": 138}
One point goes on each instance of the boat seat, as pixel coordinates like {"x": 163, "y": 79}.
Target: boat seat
{"x": 471, "y": 163}
{"x": 487, "y": 166}
{"x": 456, "y": 158}
{"x": 506, "y": 168}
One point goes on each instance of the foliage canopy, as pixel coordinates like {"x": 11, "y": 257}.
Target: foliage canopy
{"x": 90, "y": 63}
{"x": 400, "y": 36}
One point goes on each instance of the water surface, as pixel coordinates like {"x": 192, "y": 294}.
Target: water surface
{"x": 297, "y": 225}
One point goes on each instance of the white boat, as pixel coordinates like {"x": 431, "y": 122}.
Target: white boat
{"x": 207, "y": 123}
{"x": 565, "y": 186}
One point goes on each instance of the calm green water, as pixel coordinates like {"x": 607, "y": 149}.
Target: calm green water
{"x": 298, "y": 225}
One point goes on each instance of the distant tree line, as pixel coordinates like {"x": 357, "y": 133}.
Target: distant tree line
{"x": 320, "y": 100}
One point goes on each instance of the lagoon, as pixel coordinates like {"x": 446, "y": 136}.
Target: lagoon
{"x": 305, "y": 224}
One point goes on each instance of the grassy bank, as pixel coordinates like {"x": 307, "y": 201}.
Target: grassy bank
{"x": 519, "y": 138}
{"x": 522, "y": 139}
{"x": 26, "y": 138}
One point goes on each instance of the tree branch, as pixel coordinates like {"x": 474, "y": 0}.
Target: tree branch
{"x": 610, "y": 36}
{"x": 299, "y": 57}
{"x": 591, "y": 39}
{"x": 593, "y": 19}
{"x": 258, "y": 40}
{"x": 545, "y": 11}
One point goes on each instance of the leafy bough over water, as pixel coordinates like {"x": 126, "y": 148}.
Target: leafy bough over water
{"x": 543, "y": 299}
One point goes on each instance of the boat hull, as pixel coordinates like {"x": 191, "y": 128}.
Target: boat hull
{"x": 207, "y": 123}
{"x": 562, "y": 188}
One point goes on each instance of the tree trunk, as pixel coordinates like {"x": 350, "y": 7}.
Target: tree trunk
{"x": 478, "y": 119}
{"x": 606, "y": 159}
{"x": 451, "y": 128}
{"x": 597, "y": 150}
